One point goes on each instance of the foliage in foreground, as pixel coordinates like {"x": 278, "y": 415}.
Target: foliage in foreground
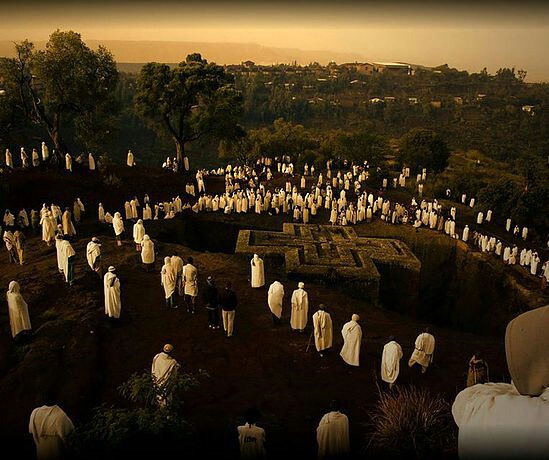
{"x": 411, "y": 421}
{"x": 141, "y": 426}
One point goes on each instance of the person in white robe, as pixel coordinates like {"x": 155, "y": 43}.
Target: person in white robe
{"x": 67, "y": 255}
{"x": 9, "y": 159}
{"x": 78, "y": 210}
{"x": 323, "y": 331}
{"x": 68, "y": 162}
{"x": 147, "y": 212}
{"x": 93, "y": 256}
{"x": 130, "y": 160}
{"x": 177, "y": 264}
{"x": 128, "y": 211}
{"x": 24, "y": 158}
{"x": 45, "y": 152}
{"x": 390, "y": 362}
{"x": 332, "y": 434}
{"x": 186, "y": 163}
{"x": 50, "y": 427}
{"x": 534, "y": 264}
{"x": 251, "y": 437}
{"x": 91, "y": 162}
{"x": 352, "y": 337}
{"x": 111, "y": 286}
{"x": 510, "y": 420}
{"x": 300, "y": 308}
{"x": 18, "y": 310}
{"x": 68, "y": 226}
{"x": 164, "y": 370}
{"x": 118, "y": 226}
{"x": 190, "y": 283}
{"x": 138, "y": 234}
{"x": 168, "y": 280}
{"x": 101, "y": 213}
{"x": 258, "y": 272}
{"x": 275, "y": 299}
{"x": 147, "y": 253}
{"x": 423, "y": 351}
{"x": 35, "y": 158}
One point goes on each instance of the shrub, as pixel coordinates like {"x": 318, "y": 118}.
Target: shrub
{"x": 141, "y": 427}
{"x": 411, "y": 421}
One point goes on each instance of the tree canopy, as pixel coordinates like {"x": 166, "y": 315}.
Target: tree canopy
{"x": 423, "y": 148}
{"x": 66, "y": 85}
{"x": 195, "y": 99}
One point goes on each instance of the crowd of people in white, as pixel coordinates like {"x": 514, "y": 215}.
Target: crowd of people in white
{"x": 340, "y": 192}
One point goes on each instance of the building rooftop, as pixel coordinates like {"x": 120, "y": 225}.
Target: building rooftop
{"x": 392, "y": 64}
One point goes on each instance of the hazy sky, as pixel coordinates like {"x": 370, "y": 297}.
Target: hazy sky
{"x": 467, "y": 35}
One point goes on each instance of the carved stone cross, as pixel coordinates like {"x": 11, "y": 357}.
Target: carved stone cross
{"x": 334, "y": 254}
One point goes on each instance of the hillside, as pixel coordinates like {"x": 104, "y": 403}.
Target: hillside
{"x": 128, "y": 51}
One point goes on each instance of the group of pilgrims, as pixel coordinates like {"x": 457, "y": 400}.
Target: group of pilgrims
{"x": 245, "y": 191}
{"x": 351, "y": 331}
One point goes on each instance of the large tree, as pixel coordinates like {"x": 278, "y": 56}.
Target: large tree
{"x": 193, "y": 100}
{"x": 361, "y": 146}
{"x": 423, "y": 148}
{"x": 66, "y": 85}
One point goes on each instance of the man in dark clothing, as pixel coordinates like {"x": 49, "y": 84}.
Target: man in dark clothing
{"x": 228, "y": 302}
{"x": 212, "y": 303}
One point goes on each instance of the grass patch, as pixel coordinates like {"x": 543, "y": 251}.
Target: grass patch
{"x": 410, "y": 421}
{"x": 50, "y": 314}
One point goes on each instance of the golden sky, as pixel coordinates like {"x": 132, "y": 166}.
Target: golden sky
{"x": 468, "y": 35}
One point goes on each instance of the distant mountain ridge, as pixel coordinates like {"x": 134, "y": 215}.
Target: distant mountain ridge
{"x": 127, "y": 51}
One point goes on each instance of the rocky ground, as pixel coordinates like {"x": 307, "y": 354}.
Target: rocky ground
{"x": 77, "y": 350}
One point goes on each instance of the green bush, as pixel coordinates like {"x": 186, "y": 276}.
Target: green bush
{"x": 141, "y": 427}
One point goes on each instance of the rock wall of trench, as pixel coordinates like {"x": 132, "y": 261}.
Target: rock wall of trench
{"x": 461, "y": 288}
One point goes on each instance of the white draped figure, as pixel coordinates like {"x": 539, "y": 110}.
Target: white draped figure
{"x": 138, "y": 232}
{"x": 65, "y": 252}
{"x": 91, "y": 162}
{"x": 190, "y": 280}
{"x": 9, "y": 159}
{"x": 118, "y": 226}
{"x": 50, "y": 427}
{"x": 332, "y": 435}
{"x": 147, "y": 250}
{"x": 168, "y": 277}
{"x": 111, "y": 285}
{"x": 423, "y": 352}
{"x": 352, "y": 337}
{"x": 390, "y": 362}
{"x": 510, "y": 420}
{"x": 45, "y": 152}
{"x": 275, "y": 298}
{"x": 258, "y": 272}
{"x": 164, "y": 369}
{"x": 130, "y": 160}
{"x": 322, "y": 323}
{"x": 300, "y": 308}
{"x": 17, "y": 309}
{"x": 48, "y": 227}
{"x": 93, "y": 252}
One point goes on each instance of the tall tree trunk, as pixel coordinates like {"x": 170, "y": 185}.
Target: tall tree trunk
{"x": 180, "y": 152}
{"x": 57, "y": 157}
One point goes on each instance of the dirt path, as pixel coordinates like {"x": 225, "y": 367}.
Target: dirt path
{"x": 262, "y": 365}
